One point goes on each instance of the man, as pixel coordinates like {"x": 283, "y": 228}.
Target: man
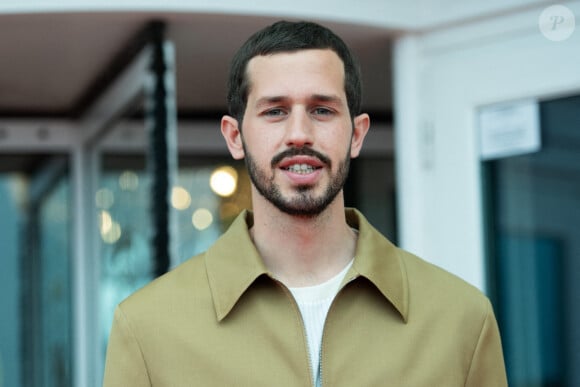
{"x": 301, "y": 291}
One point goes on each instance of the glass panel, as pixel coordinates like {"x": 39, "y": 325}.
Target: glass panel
{"x": 11, "y": 190}
{"x": 55, "y": 286}
{"x": 533, "y": 247}
{"x": 209, "y": 194}
{"x": 122, "y": 201}
{"x": 36, "y": 267}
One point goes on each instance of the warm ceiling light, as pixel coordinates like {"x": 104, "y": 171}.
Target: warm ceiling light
{"x": 202, "y": 218}
{"x": 106, "y": 222}
{"x": 180, "y": 198}
{"x": 224, "y": 181}
{"x": 110, "y": 230}
{"x": 128, "y": 181}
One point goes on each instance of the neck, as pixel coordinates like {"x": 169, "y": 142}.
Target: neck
{"x": 303, "y": 251}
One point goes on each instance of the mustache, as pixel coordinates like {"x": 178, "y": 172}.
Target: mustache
{"x": 291, "y": 152}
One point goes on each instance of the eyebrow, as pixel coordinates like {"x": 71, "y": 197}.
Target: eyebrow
{"x": 268, "y": 100}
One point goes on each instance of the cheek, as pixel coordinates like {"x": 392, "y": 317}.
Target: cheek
{"x": 264, "y": 146}
{"x": 259, "y": 152}
{"x": 340, "y": 146}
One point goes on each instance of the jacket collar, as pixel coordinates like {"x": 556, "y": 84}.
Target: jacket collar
{"x": 379, "y": 261}
{"x": 233, "y": 264}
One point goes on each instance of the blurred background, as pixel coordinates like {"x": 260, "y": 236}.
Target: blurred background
{"x": 113, "y": 169}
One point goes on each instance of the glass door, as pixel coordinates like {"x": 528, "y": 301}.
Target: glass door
{"x": 37, "y": 348}
{"x": 131, "y": 161}
{"x": 533, "y": 250}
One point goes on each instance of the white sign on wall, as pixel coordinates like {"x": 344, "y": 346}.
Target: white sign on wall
{"x": 509, "y": 129}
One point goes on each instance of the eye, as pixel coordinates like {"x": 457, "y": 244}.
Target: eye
{"x": 322, "y": 111}
{"x": 274, "y": 112}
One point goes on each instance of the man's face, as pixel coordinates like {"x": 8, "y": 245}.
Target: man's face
{"x": 297, "y": 130}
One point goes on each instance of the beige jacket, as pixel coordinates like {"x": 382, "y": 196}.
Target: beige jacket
{"x": 220, "y": 319}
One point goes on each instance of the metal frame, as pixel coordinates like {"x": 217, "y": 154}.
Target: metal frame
{"x": 150, "y": 76}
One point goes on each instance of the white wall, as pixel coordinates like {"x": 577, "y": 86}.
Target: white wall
{"x": 442, "y": 78}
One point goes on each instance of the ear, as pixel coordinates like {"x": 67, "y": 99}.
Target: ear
{"x": 361, "y": 127}
{"x": 233, "y": 137}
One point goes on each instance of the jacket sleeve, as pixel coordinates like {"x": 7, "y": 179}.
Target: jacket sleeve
{"x": 487, "y": 367}
{"x": 125, "y": 365}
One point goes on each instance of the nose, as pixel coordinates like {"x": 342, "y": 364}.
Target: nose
{"x": 299, "y": 129}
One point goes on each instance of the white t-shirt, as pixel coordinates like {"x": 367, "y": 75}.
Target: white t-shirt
{"x": 314, "y": 302}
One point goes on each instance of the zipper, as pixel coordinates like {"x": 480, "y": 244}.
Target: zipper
{"x": 303, "y": 326}
{"x": 324, "y": 329}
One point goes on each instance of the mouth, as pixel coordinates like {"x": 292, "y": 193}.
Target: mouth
{"x": 301, "y": 169}
{"x": 300, "y": 160}
{"x": 301, "y": 165}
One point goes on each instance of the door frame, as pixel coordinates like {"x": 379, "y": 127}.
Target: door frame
{"x": 442, "y": 79}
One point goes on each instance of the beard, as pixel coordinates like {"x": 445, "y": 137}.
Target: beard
{"x": 304, "y": 203}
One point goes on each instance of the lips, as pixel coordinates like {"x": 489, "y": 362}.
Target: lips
{"x": 301, "y": 165}
{"x": 300, "y": 159}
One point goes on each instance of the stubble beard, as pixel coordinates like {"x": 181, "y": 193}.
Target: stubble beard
{"x": 303, "y": 203}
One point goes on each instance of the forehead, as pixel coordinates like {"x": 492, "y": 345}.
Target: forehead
{"x": 290, "y": 72}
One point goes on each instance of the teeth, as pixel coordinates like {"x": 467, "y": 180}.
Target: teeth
{"x": 301, "y": 168}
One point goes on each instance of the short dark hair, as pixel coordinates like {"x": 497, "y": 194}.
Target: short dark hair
{"x": 284, "y": 36}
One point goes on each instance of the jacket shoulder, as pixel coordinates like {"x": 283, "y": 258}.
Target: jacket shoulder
{"x": 431, "y": 286}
